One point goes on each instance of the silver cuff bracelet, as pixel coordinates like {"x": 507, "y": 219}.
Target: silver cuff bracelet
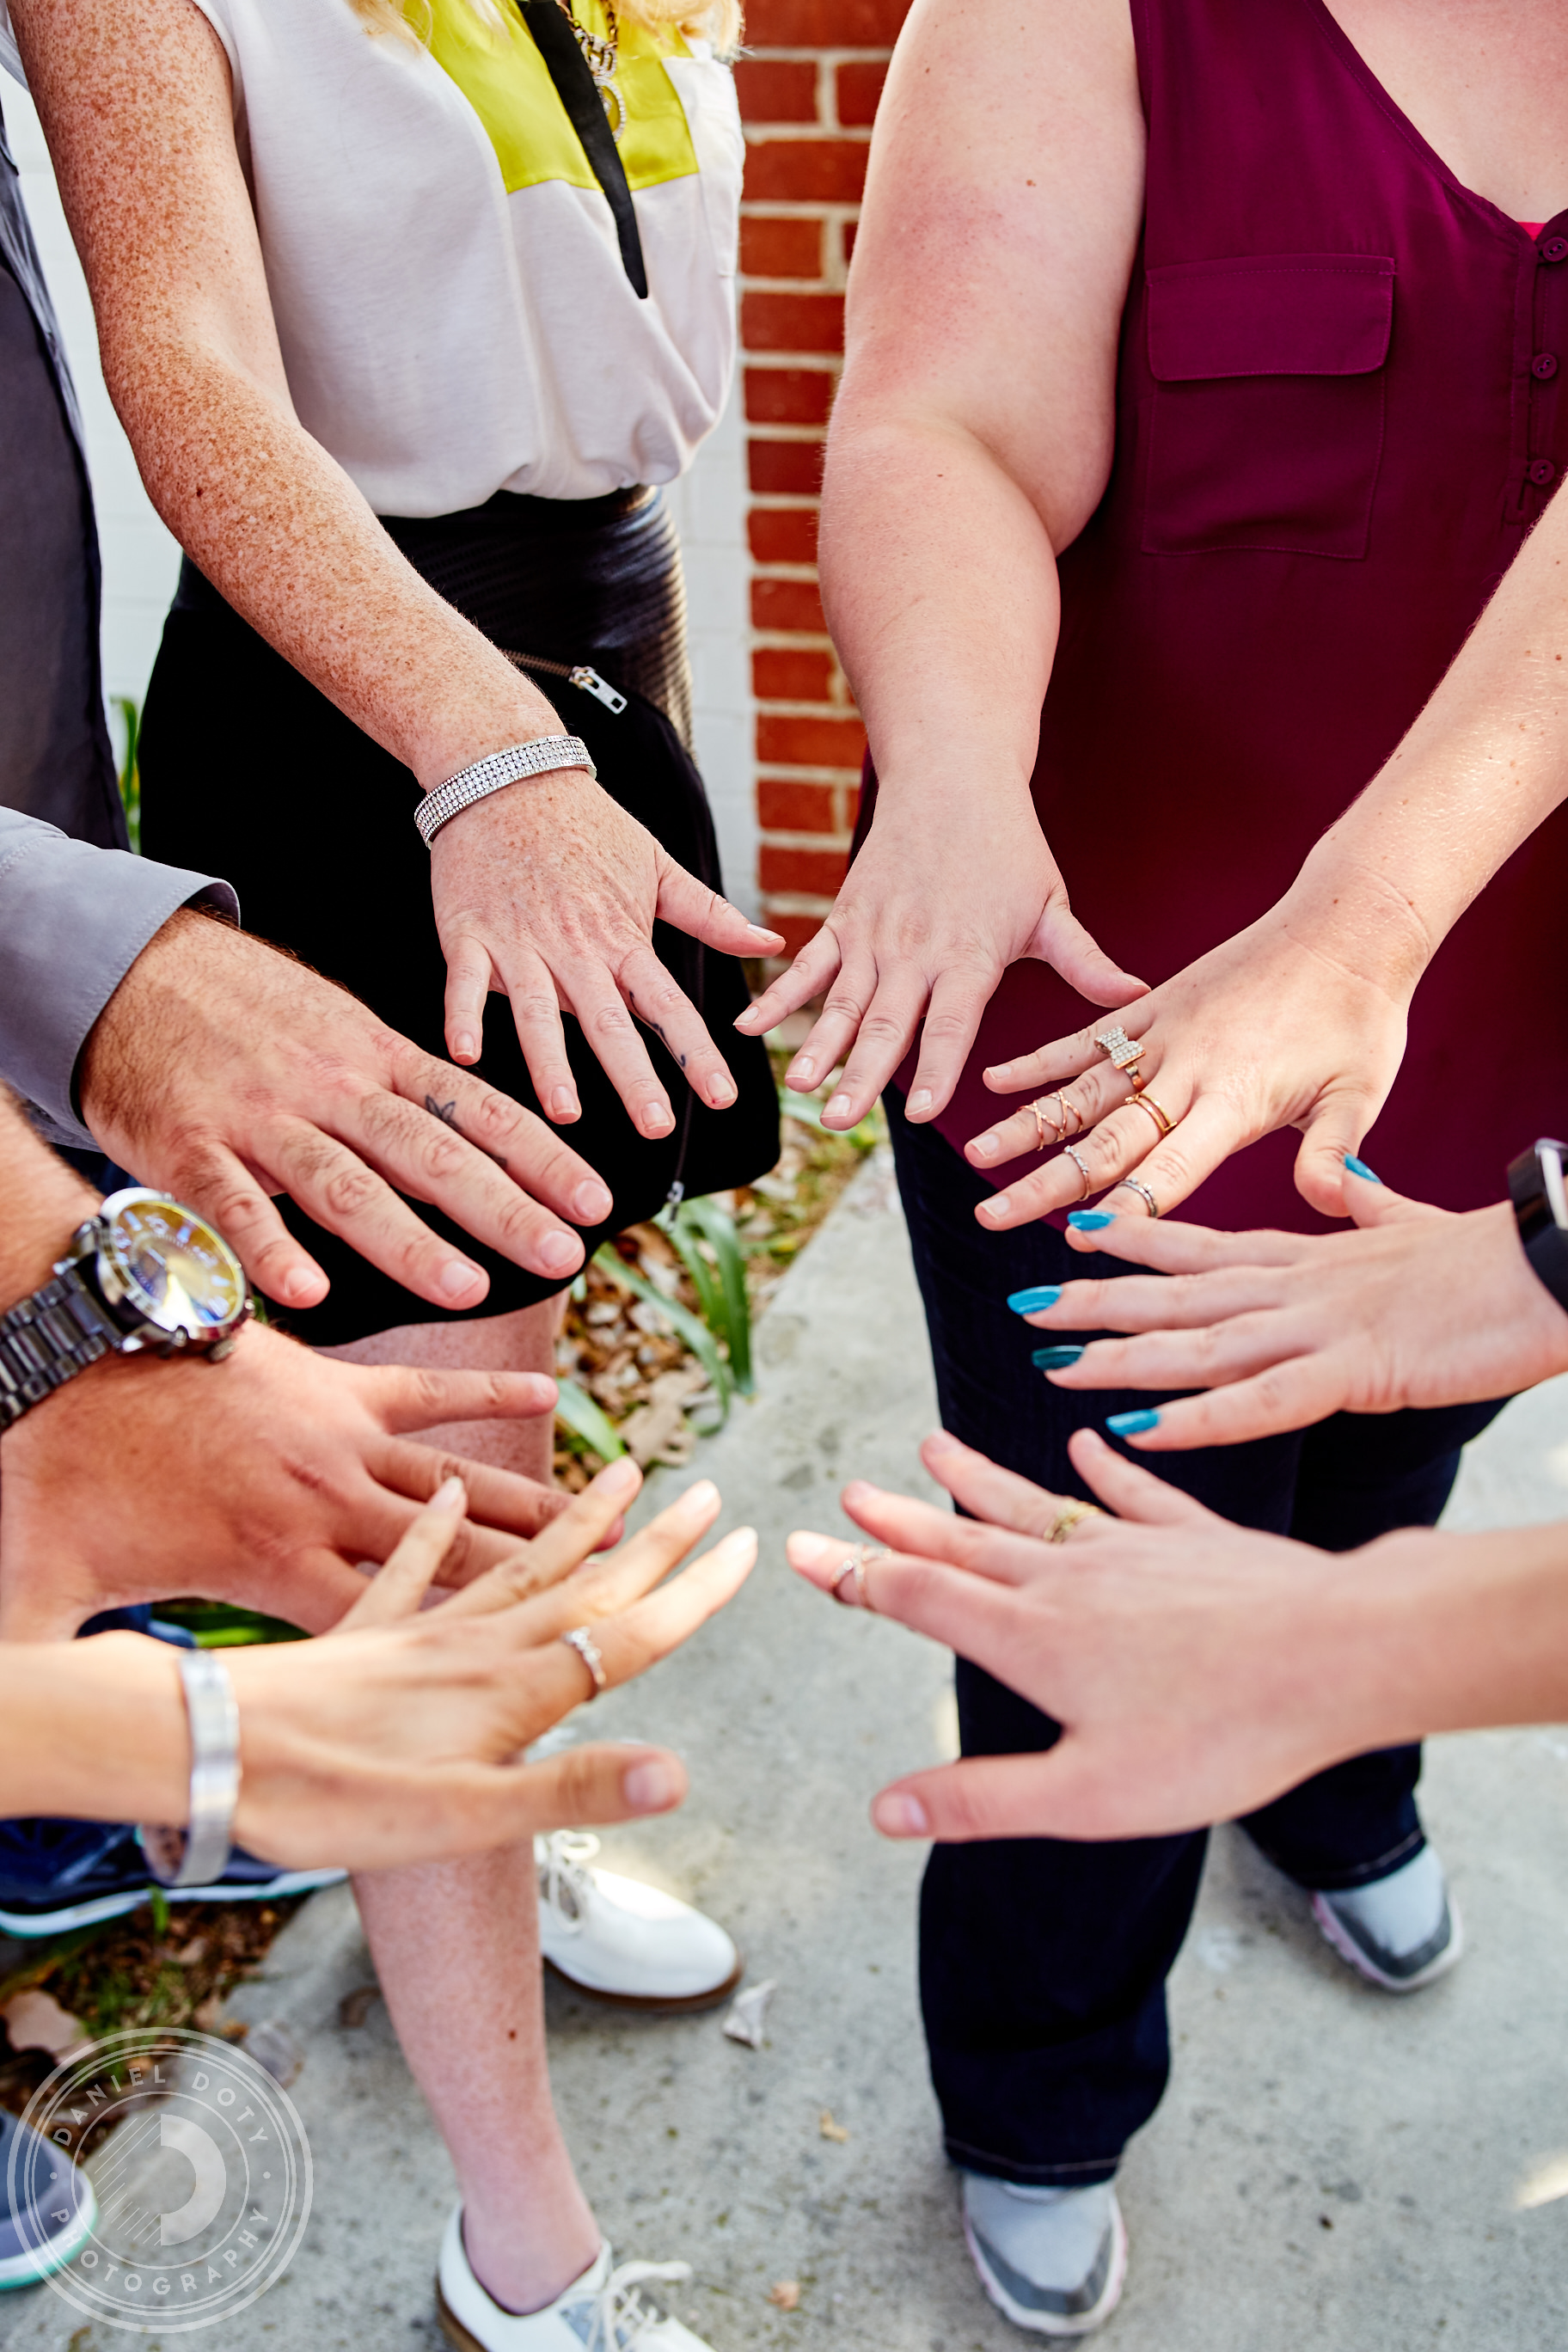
{"x": 197, "y": 1856}
{"x": 545, "y": 753}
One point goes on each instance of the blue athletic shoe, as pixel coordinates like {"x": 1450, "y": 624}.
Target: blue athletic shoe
{"x": 57, "y": 1875}
{"x": 42, "y": 2233}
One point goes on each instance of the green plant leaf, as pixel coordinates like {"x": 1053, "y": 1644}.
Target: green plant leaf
{"x": 695, "y": 1332}
{"x": 587, "y": 1421}
{"x": 718, "y": 1229}
{"x": 805, "y": 1108}
{"x": 682, "y": 1234}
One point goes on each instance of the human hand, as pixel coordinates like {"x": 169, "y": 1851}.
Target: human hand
{"x": 548, "y": 892}
{"x": 224, "y": 1072}
{"x": 1418, "y": 1307}
{"x": 929, "y": 916}
{"x": 263, "y": 1480}
{"x": 1197, "y": 1669}
{"x": 1298, "y": 1021}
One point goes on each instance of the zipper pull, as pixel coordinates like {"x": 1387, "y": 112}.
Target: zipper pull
{"x": 599, "y": 687}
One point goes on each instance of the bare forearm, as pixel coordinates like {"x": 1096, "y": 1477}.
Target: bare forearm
{"x": 94, "y": 1730}
{"x": 46, "y": 1200}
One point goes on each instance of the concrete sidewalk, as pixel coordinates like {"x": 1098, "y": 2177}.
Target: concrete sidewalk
{"x": 1332, "y": 2169}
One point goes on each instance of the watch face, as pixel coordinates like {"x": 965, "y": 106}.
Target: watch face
{"x": 170, "y": 1264}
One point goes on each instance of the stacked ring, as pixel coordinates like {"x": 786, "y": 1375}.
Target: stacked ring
{"x": 1130, "y": 1184}
{"x": 1071, "y": 1515}
{"x": 1157, "y": 1111}
{"x": 1077, "y": 1159}
{"x": 855, "y": 1566}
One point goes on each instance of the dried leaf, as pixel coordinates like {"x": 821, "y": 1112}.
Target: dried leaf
{"x": 785, "y": 2294}
{"x": 34, "y": 2021}
{"x": 743, "y": 2021}
{"x": 356, "y": 2006}
{"x": 829, "y": 2128}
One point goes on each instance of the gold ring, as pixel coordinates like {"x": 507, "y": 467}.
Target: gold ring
{"x": 1041, "y": 1123}
{"x": 1157, "y": 1111}
{"x": 1063, "y": 1107}
{"x": 1077, "y": 1163}
{"x": 1071, "y": 1512}
{"x": 1130, "y": 1184}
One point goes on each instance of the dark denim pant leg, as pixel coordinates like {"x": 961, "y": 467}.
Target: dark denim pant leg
{"x": 1043, "y": 1961}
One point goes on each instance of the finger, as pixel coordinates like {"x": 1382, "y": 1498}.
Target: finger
{"x": 988, "y": 1796}
{"x": 410, "y": 1396}
{"x": 1332, "y": 1139}
{"x": 629, "y": 1643}
{"x": 536, "y": 1016}
{"x": 1173, "y": 1302}
{"x": 807, "y": 976}
{"x": 1371, "y": 1201}
{"x": 530, "y": 1152}
{"x": 1129, "y": 1492}
{"x": 837, "y": 1024}
{"x": 951, "y": 1023}
{"x": 911, "y": 1532}
{"x": 398, "y": 1588}
{"x": 503, "y": 1500}
{"x": 554, "y": 1558}
{"x": 587, "y": 1787}
{"x": 1207, "y": 1136}
{"x": 656, "y": 1001}
{"x": 214, "y": 1181}
{"x": 1064, "y": 1057}
{"x": 1073, "y": 1109}
{"x": 1175, "y": 1248}
{"x": 607, "y": 1024}
{"x": 334, "y": 1187}
{"x": 886, "y": 1031}
{"x": 469, "y": 976}
{"x": 1290, "y": 1395}
{"x": 1082, "y": 962}
{"x": 614, "y": 1581}
{"x": 691, "y": 907}
{"x": 988, "y": 1492}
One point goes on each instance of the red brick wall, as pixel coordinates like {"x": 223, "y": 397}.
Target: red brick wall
{"x": 809, "y": 84}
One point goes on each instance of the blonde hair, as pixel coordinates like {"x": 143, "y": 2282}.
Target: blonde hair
{"x": 718, "y": 21}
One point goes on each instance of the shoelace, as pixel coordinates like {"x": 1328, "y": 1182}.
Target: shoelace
{"x": 564, "y": 1870}
{"x": 618, "y": 2315}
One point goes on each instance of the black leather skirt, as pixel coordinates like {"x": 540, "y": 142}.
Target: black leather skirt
{"x": 313, "y": 824}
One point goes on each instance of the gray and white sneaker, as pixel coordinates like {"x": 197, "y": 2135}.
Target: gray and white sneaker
{"x": 1400, "y": 1931}
{"x": 1054, "y": 2260}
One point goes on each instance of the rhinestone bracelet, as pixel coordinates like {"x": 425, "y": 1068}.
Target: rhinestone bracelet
{"x": 545, "y": 753}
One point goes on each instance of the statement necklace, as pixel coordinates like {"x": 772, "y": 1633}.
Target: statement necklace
{"x": 600, "y": 54}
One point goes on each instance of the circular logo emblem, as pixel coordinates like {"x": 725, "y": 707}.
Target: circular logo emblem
{"x": 200, "y": 2192}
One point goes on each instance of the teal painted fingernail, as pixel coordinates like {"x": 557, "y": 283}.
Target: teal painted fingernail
{"x": 1089, "y": 1221}
{"x": 1359, "y": 1168}
{"x": 1132, "y": 1425}
{"x": 1054, "y": 1359}
{"x": 1035, "y": 1302}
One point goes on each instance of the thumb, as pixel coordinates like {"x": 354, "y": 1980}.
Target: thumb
{"x": 690, "y": 906}
{"x": 610, "y": 1782}
{"x": 1371, "y": 1201}
{"x": 1331, "y": 1137}
{"x": 1060, "y": 941}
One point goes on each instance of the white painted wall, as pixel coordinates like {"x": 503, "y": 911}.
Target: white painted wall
{"x": 141, "y": 561}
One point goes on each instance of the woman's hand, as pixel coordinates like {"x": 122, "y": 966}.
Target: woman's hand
{"x": 1419, "y": 1307}
{"x": 1197, "y": 1669}
{"x": 1297, "y": 1021}
{"x": 547, "y": 892}
{"x": 399, "y": 1737}
{"x": 932, "y": 913}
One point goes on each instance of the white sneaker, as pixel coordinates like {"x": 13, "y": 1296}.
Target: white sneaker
{"x": 600, "y": 2312}
{"x": 1054, "y": 2260}
{"x": 1399, "y": 1932}
{"x": 625, "y": 1941}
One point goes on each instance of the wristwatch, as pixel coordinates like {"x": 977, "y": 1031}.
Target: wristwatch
{"x": 1541, "y": 1209}
{"x": 146, "y": 1272}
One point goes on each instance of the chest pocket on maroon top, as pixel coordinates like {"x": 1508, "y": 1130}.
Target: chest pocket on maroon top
{"x": 1268, "y": 416}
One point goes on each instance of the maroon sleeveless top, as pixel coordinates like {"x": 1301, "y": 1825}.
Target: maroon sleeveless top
{"x": 1340, "y": 407}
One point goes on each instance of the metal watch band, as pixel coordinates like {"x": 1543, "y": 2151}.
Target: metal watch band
{"x": 47, "y": 1339}
{"x": 197, "y": 1856}
{"x": 540, "y": 758}
{"x": 1536, "y": 1188}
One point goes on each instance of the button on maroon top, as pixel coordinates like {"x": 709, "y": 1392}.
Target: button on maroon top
{"x": 1328, "y": 434}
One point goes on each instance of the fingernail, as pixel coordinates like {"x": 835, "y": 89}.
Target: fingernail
{"x": 1359, "y": 1168}
{"x": 464, "y": 1046}
{"x": 593, "y": 1203}
{"x": 1054, "y": 1359}
{"x": 839, "y": 1108}
{"x": 942, "y": 1440}
{"x": 721, "y": 1093}
{"x": 806, "y": 1549}
{"x": 758, "y": 932}
{"x": 1035, "y": 1302}
{"x": 999, "y": 1205}
{"x": 984, "y": 1147}
{"x": 449, "y": 1495}
{"x": 918, "y": 1102}
{"x": 651, "y": 1788}
{"x": 298, "y": 1288}
{"x": 703, "y": 1493}
{"x": 1089, "y": 1221}
{"x": 559, "y": 1253}
{"x": 1132, "y": 1425}
{"x": 656, "y": 1119}
{"x": 898, "y": 1814}
{"x": 563, "y": 1103}
{"x": 458, "y": 1278}
{"x": 802, "y": 1073}
{"x": 617, "y": 1476}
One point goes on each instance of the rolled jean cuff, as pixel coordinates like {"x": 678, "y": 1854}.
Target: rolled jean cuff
{"x": 1087, "y": 2173}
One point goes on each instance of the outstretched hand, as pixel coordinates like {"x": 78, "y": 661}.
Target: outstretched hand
{"x": 1418, "y": 1307}
{"x": 1192, "y": 1663}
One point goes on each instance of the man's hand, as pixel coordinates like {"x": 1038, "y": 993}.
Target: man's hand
{"x": 264, "y": 1480}
{"x": 1420, "y": 1307}
{"x": 224, "y": 1071}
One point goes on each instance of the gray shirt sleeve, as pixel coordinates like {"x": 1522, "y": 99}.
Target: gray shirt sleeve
{"x": 73, "y": 920}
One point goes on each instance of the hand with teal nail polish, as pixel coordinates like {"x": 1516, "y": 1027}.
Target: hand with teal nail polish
{"x": 1054, "y": 1359}
{"x": 1091, "y": 1221}
{"x": 1412, "y": 1307}
{"x": 1035, "y": 1301}
{"x": 1359, "y": 1168}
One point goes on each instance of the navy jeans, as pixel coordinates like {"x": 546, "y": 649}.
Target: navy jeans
{"x": 1043, "y": 1960}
